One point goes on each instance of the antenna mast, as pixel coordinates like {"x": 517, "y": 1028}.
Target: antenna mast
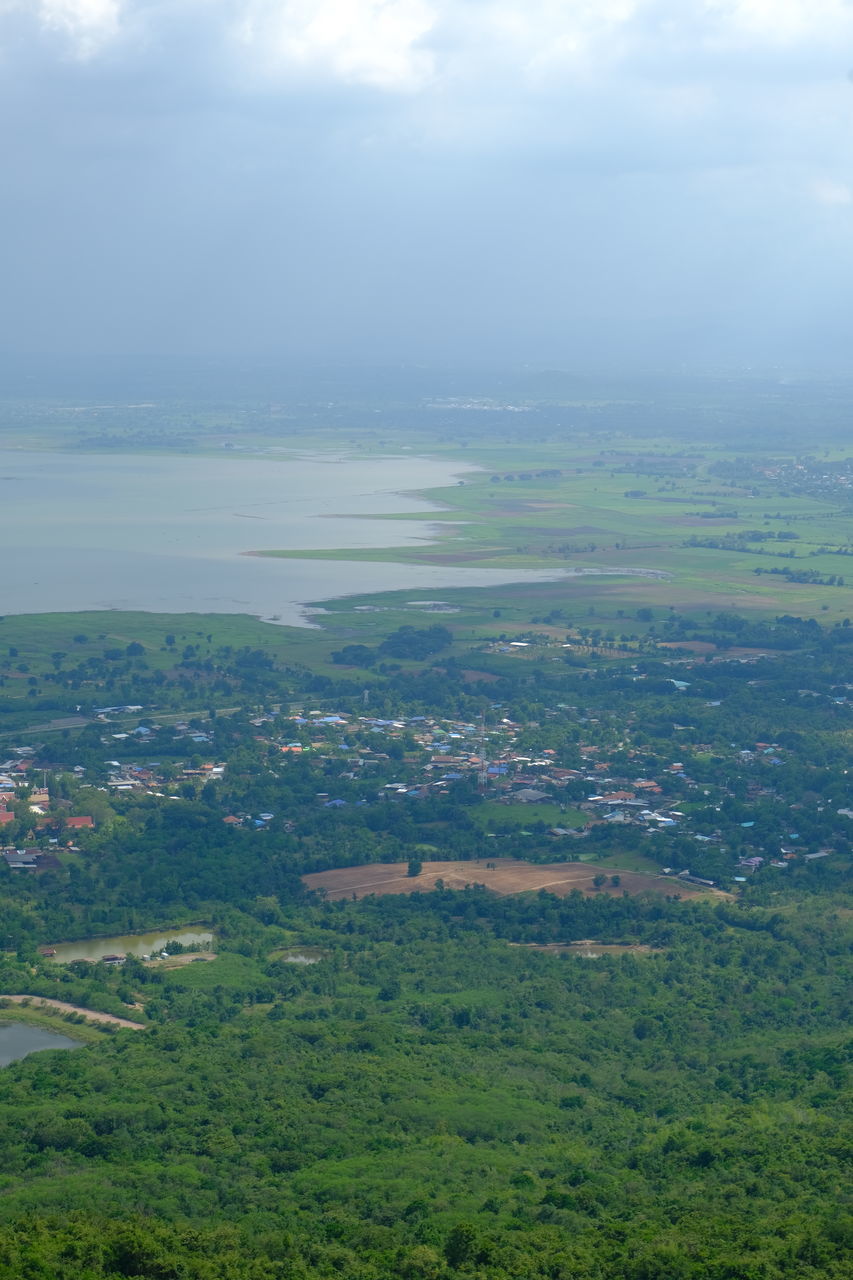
{"x": 484, "y": 771}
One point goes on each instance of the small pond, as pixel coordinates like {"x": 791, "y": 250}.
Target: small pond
{"x": 17, "y": 1039}
{"x": 590, "y": 950}
{"x": 138, "y": 944}
{"x": 598, "y": 949}
{"x": 301, "y": 955}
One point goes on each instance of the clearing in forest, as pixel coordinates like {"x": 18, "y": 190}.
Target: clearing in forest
{"x": 501, "y": 875}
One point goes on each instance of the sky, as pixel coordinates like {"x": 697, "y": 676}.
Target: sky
{"x": 567, "y": 183}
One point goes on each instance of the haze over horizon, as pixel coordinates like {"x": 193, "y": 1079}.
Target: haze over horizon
{"x": 576, "y": 183}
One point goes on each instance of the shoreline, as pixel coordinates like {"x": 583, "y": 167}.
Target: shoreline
{"x": 61, "y": 1007}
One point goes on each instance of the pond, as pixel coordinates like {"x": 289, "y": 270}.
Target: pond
{"x": 594, "y": 950}
{"x": 591, "y": 950}
{"x": 17, "y": 1040}
{"x": 301, "y": 955}
{"x": 138, "y": 944}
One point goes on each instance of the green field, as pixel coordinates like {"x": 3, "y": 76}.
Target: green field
{"x": 583, "y": 520}
{"x": 31, "y": 644}
{"x": 491, "y": 816}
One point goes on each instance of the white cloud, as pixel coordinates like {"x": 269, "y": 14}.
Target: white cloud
{"x": 90, "y": 24}
{"x": 416, "y": 45}
{"x": 829, "y": 192}
{"x": 371, "y": 42}
{"x": 781, "y": 22}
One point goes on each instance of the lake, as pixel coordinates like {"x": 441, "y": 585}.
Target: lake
{"x": 17, "y": 1040}
{"x": 123, "y": 944}
{"x": 171, "y": 534}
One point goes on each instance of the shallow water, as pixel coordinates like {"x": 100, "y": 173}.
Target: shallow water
{"x": 302, "y": 955}
{"x": 170, "y": 534}
{"x": 17, "y": 1040}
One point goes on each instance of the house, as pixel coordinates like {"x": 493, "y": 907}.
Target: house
{"x": 84, "y": 823}
{"x": 527, "y": 795}
{"x": 30, "y": 860}
{"x": 21, "y": 859}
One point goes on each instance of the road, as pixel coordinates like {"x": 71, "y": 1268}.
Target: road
{"x": 91, "y": 1015}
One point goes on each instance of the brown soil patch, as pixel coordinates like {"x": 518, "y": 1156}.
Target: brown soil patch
{"x": 178, "y": 962}
{"x": 705, "y": 646}
{"x": 503, "y": 876}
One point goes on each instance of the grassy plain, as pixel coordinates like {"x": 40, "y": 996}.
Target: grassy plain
{"x": 491, "y": 816}
{"x": 78, "y": 636}
{"x": 621, "y": 523}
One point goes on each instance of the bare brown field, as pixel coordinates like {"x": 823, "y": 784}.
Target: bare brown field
{"x": 502, "y": 875}
{"x": 705, "y": 646}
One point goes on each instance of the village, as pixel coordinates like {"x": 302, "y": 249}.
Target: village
{"x": 594, "y": 792}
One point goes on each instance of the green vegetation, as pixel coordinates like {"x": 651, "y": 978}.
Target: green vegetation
{"x": 499, "y": 817}
{"x": 427, "y": 1100}
{"x": 702, "y": 535}
{"x": 428, "y": 1097}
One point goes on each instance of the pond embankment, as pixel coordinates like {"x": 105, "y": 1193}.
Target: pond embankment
{"x": 60, "y": 1006}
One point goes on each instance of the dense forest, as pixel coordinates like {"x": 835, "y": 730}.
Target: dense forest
{"x": 429, "y": 1099}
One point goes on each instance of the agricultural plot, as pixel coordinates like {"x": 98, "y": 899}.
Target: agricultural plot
{"x": 503, "y": 876}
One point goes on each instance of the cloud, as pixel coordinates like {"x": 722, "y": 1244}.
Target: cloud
{"x": 832, "y": 193}
{"x": 389, "y": 174}
{"x": 371, "y": 42}
{"x": 88, "y": 24}
{"x": 779, "y": 22}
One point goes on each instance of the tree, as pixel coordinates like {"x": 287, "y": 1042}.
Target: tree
{"x": 415, "y": 867}
{"x": 461, "y": 1244}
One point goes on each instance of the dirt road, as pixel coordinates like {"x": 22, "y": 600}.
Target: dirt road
{"x": 91, "y": 1015}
